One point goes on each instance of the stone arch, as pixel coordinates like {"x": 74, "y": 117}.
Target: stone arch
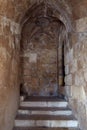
{"x": 59, "y": 12}
{"x": 40, "y": 17}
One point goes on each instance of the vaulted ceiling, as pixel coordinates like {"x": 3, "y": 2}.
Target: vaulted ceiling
{"x": 74, "y": 8}
{"x": 16, "y": 9}
{"x": 37, "y": 15}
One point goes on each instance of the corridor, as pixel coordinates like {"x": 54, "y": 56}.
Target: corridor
{"x": 43, "y": 64}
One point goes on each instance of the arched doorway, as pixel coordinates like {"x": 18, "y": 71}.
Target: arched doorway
{"x": 42, "y": 64}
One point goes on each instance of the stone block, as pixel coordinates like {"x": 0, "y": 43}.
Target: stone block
{"x": 66, "y": 59}
{"x": 24, "y": 123}
{"x": 44, "y": 112}
{"x": 71, "y": 55}
{"x": 33, "y": 58}
{"x": 67, "y": 69}
{"x": 79, "y": 79}
{"x": 74, "y": 38}
{"x": 44, "y": 104}
{"x": 68, "y": 80}
{"x": 78, "y": 92}
{"x": 74, "y": 67}
{"x": 68, "y": 90}
{"x": 45, "y": 123}
{"x": 81, "y": 25}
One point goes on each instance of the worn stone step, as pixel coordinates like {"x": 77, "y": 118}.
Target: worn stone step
{"x": 45, "y": 112}
{"x": 44, "y": 104}
{"x": 46, "y": 121}
{"x": 43, "y": 128}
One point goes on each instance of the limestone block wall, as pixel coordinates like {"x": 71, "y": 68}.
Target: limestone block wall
{"x": 76, "y": 71}
{"x": 12, "y": 11}
{"x": 9, "y": 71}
{"x": 39, "y": 63}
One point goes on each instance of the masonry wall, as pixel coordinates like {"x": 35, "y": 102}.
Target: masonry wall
{"x": 39, "y": 61}
{"x": 12, "y": 11}
{"x": 9, "y": 71}
{"x": 76, "y": 71}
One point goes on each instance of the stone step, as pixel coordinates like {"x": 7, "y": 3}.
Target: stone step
{"x": 45, "y": 112}
{"x": 42, "y": 128}
{"x": 44, "y": 104}
{"x": 45, "y": 121}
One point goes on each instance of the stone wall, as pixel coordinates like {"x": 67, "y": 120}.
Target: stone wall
{"x": 12, "y": 11}
{"x": 9, "y": 71}
{"x": 39, "y": 61}
{"x": 76, "y": 71}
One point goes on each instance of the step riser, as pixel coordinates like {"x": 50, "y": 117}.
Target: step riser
{"x": 27, "y": 112}
{"x": 44, "y": 104}
{"x": 46, "y": 123}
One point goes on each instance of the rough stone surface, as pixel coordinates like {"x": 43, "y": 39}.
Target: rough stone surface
{"x": 9, "y": 68}
{"x": 39, "y": 60}
{"x": 73, "y": 14}
{"x": 76, "y": 59}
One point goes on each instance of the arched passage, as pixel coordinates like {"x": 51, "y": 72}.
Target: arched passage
{"x": 42, "y": 39}
{"x": 13, "y": 16}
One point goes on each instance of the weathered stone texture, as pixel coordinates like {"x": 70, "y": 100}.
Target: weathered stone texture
{"x": 39, "y": 63}
{"x": 81, "y": 25}
{"x": 76, "y": 67}
{"x": 68, "y": 80}
{"x": 9, "y": 60}
{"x": 73, "y": 14}
{"x": 67, "y": 69}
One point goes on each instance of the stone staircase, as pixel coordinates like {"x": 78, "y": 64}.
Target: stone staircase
{"x": 45, "y": 113}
